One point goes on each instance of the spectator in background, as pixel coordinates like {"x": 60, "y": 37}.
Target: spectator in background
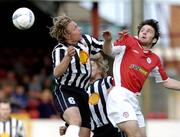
{"x": 20, "y": 98}
{"x": 7, "y": 87}
{"x": 35, "y": 84}
{"x": 2, "y": 94}
{"x": 35, "y": 87}
{"x": 25, "y": 80}
{"x": 46, "y": 108}
{"x": 11, "y": 77}
{"x": 9, "y": 127}
{"x": 48, "y": 83}
{"x": 32, "y": 106}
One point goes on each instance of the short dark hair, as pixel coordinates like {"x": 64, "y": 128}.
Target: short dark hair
{"x": 153, "y": 23}
{"x": 5, "y": 100}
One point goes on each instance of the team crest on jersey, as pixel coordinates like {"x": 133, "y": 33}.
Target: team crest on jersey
{"x": 94, "y": 98}
{"x": 125, "y": 114}
{"x": 4, "y": 135}
{"x": 148, "y": 60}
{"x": 83, "y": 57}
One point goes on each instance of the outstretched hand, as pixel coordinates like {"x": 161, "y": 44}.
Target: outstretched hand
{"x": 122, "y": 33}
{"x": 71, "y": 51}
{"x": 107, "y": 35}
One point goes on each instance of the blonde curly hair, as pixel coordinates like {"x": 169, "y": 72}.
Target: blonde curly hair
{"x": 59, "y": 28}
{"x": 101, "y": 63}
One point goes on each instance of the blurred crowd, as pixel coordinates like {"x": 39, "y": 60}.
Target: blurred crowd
{"x": 26, "y": 80}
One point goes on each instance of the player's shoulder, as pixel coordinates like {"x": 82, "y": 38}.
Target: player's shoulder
{"x": 109, "y": 77}
{"x": 105, "y": 78}
{"x": 89, "y": 37}
{"x": 86, "y": 35}
{"x": 125, "y": 39}
{"x": 155, "y": 56}
{"x": 59, "y": 46}
{"x": 13, "y": 119}
{"x": 152, "y": 53}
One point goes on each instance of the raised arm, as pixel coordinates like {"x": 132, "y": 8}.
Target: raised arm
{"x": 107, "y": 47}
{"x": 63, "y": 65}
{"x": 172, "y": 84}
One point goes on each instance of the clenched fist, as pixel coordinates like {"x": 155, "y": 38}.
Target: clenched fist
{"x": 71, "y": 51}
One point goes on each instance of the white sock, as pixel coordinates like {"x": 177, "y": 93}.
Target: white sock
{"x": 72, "y": 131}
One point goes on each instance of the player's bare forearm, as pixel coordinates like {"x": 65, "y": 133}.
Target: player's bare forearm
{"x": 62, "y": 67}
{"x": 107, "y": 47}
{"x": 172, "y": 84}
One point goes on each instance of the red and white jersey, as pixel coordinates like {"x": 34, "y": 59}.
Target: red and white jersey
{"x": 133, "y": 64}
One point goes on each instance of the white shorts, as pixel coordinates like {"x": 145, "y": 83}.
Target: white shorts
{"x": 123, "y": 105}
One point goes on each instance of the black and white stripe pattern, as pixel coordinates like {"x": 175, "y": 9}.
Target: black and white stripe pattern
{"x": 122, "y": 134}
{"x": 12, "y": 127}
{"x": 77, "y": 74}
{"x": 98, "y": 111}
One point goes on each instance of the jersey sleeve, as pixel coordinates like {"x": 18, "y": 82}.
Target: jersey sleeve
{"x": 20, "y": 129}
{"x": 109, "y": 81}
{"x": 159, "y": 73}
{"x": 94, "y": 44}
{"x": 57, "y": 55}
{"x": 120, "y": 45}
{"x": 117, "y": 49}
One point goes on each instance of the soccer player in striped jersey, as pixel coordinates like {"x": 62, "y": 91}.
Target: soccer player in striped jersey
{"x": 134, "y": 61}
{"x": 72, "y": 70}
{"x": 98, "y": 89}
{"x": 9, "y": 127}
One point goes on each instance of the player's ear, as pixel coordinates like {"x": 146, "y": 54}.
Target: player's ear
{"x": 67, "y": 36}
{"x": 154, "y": 40}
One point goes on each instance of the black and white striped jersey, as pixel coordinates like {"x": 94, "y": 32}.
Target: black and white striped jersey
{"x": 79, "y": 70}
{"x": 12, "y": 128}
{"x": 97, "y": 101}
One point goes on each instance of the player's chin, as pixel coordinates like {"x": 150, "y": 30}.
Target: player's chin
{"x": 143, "y": 41}
{"x": 80, "y": 36}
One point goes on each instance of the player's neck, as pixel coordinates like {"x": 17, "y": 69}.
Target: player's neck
{"x": 98, "y": 76}
{"x": 71, "y": 43}
{"x": 4, "y": 119}
{"x": 147, "y": 47}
